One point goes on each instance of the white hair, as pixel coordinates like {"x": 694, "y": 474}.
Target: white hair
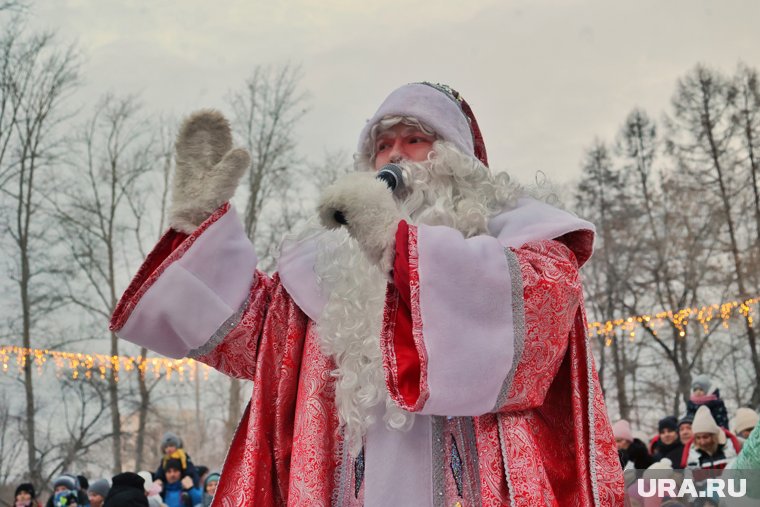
{"x": 449, "y": 188}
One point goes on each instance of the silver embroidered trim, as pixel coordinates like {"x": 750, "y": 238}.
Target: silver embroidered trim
{"x": 518, "y": 323}
{"x": 219, "y": 335}
{"x": 439, "y": 461}
{"x": 339, "y": 494}
{"x": 510, "y": 487}
{"x": 592, "y": 444}
{"x": 472, "y": 461}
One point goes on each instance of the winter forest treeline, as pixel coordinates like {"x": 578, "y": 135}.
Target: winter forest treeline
{"x": 83, "y": 197}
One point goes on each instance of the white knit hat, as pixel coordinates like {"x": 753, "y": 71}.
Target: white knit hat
{"x": 745, "y": 419}
{"x": 704, "y": 423}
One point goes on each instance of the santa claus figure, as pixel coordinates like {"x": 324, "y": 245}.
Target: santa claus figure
{"x": 422, "y": 345}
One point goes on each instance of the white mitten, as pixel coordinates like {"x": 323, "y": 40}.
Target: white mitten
{"x": 207, "y": 170}
{"x": 370, "y": 213}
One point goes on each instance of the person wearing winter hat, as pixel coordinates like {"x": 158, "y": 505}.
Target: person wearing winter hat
{"x": 152, "y": 489}
{"x": 684, "y": 429}
{"x": 64, "y": 486}
{"x": 127, "y": 490}
{"x": 621, "y": 431}
{"x": 744, "y": 422}
{"x": 377, "y": 397}
{"x": 713, "y": 447}
{"x": 179, "y": 491}
{"x": 172, "y": 448}
{"x": 25, "y": 496}
{"x": 209, "y": 487}
{"x": 700, "y": 387}
{"x": 97, "y": 492}
{"x": 667, "y": 444}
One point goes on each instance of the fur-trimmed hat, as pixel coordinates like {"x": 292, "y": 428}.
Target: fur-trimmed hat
{"x": 702, "y": 382}
{"x": 26, "y": 487}
{"x": 436, "y": 106}
{"x": 705, "y": 423}
{"x": 170, "y": 438}
{"x": 745, "y": 419}
{"x": 622, "y": 430}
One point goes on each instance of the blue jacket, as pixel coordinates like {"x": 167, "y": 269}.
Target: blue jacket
{"x": 172, "y": 495}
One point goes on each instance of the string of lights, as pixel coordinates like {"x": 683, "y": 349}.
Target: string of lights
{"x": 82, "y": 365}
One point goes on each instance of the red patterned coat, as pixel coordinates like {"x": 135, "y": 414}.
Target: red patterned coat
{"x": 483, "y": 338}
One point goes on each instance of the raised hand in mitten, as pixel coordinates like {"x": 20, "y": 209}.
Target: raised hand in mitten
{"x": 208, "y": 169}
{"x": 366, "y": 207}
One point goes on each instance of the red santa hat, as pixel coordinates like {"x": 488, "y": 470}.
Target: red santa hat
{"x": 436, "y": 106}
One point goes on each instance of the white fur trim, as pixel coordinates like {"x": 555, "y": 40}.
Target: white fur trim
{"x": 431, "y": 107}
{"x": 197, "y": 293}
{"x": 467, "y": 322}
{"x": 370, "y": 213}
{"x": 399, "y": 467}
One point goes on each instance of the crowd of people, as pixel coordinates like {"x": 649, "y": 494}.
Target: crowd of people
{"x": 176, "y": 482}
{"x": 703, "y": 438}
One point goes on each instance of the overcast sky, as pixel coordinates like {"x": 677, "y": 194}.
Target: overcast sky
{"x": 544, "y": 77}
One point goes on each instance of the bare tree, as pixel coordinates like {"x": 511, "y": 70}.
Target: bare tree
{"x": 36, "y": 76}
{"x": 703, "y": 140}
{"x": 101, "y": 215}
{"x": 265, "y": 114}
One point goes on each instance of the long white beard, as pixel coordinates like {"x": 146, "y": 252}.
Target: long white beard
{"x": 446, "y": 190}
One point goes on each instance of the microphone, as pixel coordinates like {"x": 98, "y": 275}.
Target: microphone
{"x": 392, "y": 175}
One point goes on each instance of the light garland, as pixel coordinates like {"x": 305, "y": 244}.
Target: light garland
{"x": 88, "y": 365}
{"x": 679, "y": 319}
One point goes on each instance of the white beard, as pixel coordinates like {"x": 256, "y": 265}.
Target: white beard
{"x": 439, "y": 192}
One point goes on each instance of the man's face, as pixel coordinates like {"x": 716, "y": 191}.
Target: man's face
{"x": 684, "y": 432}
{"x": 95, "y": 499}
{"x": 402, "y": 142}
{"x": 708, "y": 442}
{"x": 173, "y": 475}
{"x": 668, "y": 436}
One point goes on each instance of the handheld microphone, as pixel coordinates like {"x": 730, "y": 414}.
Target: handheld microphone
{"x": 392, "y": 175}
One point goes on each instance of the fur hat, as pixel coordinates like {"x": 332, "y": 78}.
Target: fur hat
{"x": 622, "y": 429}
{"x": 127, "y": 490}
{"x": 68, "y": 480}
{"x": 702, "y": 382}
{"x": 436, "y": 106}
{"x": 100, "y": 487}
{"x": 170, "y": 438}
{"x": 669, "y": 422}
{"x": 26, "y": 487}
{"x": 745, "y": 419}
{"x": 705, "y": 423}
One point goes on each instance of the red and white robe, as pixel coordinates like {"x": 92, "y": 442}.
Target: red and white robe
{"x": 483, "y": 338}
